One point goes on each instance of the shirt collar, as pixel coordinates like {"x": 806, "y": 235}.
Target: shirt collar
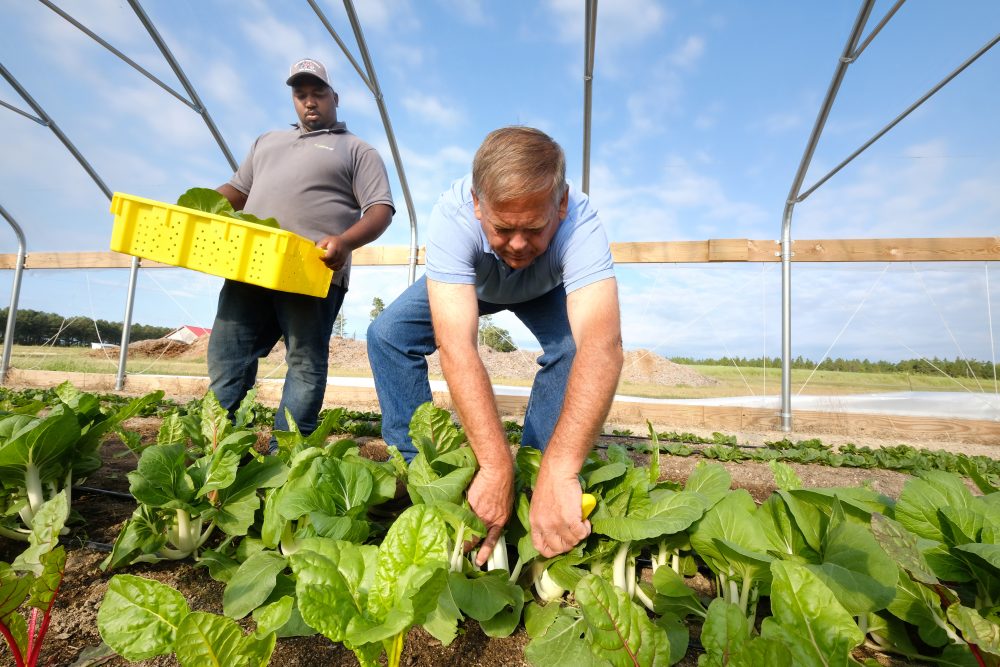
{"x": 338, "y": 128}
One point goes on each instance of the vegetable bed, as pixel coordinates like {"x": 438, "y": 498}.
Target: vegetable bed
{"x": 787, "y": 572}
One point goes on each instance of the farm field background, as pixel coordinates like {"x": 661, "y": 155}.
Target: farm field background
{"x": 723, "y": 381}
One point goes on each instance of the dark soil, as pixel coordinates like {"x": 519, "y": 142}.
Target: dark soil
{"x": 73, "y": 638}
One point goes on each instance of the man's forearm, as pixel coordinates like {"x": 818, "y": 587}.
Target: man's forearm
{"x": 590, "y": 390}
{"x": 472, "y": 394}
{"x": 371, "y": 226}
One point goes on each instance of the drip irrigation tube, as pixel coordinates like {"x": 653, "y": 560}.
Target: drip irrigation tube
{"x": 105, "y": 492}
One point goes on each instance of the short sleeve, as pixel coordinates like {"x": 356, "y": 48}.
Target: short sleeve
{"x": 584, "y": 253}
{"x": 453, "y": 241}
{"x": 243, "y": 178}
{"x": 371, "y": 182}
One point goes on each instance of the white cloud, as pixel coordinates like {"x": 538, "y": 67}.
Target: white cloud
{"x": 689, "y": 52}
{"x": 433, "y": 110}
{"x": 624, "y": 22}
{"x": 471, "y": 11}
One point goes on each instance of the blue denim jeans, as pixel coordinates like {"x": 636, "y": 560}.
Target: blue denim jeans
{"x": 248, "y": 322}
{"x": 402, "y": 336}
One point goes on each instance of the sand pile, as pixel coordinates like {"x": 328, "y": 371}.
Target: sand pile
{"x": 348, "y": 355}
{"x": 641, "y": 366}
{"x": 155, "y": 347}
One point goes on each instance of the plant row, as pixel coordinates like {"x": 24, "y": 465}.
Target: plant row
{"x": 318, "y": 539}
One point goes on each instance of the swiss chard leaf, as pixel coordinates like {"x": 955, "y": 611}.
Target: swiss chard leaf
{"x": 619, "y": 630}
{"x": 808, "y": 619}
{"x": 138, "y": 618}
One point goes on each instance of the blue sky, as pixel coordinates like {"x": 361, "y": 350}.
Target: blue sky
{"x": 701, "y": 113}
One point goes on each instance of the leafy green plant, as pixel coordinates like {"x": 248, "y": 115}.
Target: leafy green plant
{"x": 41, "y": 456}
{"x": 141, "y": 618}
{"x": 210, "y": 201}
{"x": 41, "y": 567}
{"x": 369, "y": 597}
{"x": 186, "y": 490}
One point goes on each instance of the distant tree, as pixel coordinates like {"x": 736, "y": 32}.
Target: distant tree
{"x": 34, "y": 327}
{"x": 339, "y": 324}
{"x": 493, "y": 336}
{"x": 377, "y": 307}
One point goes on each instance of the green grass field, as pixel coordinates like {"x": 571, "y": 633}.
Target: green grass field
{"x": 732, "y": 381}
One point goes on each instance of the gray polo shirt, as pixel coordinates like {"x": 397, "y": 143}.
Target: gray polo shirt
{"x": 314, "y": 183}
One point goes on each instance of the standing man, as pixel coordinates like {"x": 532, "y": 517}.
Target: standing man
{"x": 512, "y": 236}
{"x": 321, "y": 182}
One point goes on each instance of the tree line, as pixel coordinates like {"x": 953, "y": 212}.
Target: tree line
{"x": 34, "y": 327}
{"x": 953, "y": 368}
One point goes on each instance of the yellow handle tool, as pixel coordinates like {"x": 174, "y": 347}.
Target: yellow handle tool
{"x": 587, "y": 504}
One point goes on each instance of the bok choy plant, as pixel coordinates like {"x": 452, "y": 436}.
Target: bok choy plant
{"x": 41, "y": 567}
{"x": 141, "y": 618}
{"x": 45, "y": 454}
{"x": 369, "y": 597}
{"x": 184, "y": 492}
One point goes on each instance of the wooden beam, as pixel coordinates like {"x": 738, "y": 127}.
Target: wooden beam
{"x": 978, "y": 249}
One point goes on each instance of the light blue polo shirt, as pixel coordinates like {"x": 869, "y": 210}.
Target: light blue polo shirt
{"x": 458, "y": 251}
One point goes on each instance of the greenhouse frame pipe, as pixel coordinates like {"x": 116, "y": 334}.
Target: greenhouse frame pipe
{"x": 15, "y": 292}
{"x": 589, "y": 41}
{"x": 134, "y": 65}
{"x": 786, "y": 223}
{"x": 47, "y": 121}
{"x": 182, "y": 77}
{"x": 371, "y": 81}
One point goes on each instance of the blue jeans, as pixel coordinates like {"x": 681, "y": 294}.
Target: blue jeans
{"x": 402, "y": 336}
{"x": 248, "y": 323}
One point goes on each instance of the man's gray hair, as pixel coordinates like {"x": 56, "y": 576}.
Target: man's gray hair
{"x": 517, "y": 161}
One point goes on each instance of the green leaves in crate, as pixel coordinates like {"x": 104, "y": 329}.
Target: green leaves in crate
{"x": 211, "y": 201}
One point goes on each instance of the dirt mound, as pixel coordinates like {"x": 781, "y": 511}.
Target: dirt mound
{"x": 647, "y": 367}
{"x": 154, "y": 347}
{"x": 641, "y": 366}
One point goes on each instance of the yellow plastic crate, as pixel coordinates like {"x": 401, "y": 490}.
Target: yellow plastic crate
{"x": 217, "y": 245}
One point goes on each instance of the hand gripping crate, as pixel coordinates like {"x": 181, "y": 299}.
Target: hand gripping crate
{"x": 217, "y": 245}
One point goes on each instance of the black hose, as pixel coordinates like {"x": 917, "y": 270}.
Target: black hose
{"x": 105, "y": 492}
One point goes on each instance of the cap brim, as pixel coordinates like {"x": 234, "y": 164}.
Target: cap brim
{"x": 295, "y": 78}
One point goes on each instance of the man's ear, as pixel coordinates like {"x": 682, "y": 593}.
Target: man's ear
{"x": 564, "y": 204}
{"x": 475, "y": 206}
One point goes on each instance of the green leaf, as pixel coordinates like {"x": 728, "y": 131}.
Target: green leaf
{"x": 161, "y": 478}
{"x": 44, "y": 536}
{"x": 332, "y": 587}
{"x": 563, "y": 642}
{"x": 919, "y": 606}
{"x": 620, "y": 631}
{"x": 433, "y": 433}
{"x": 483, "y": 597}
{"x": 272, "y": 617}
{"x": 418, "y": 537}
{"x": 673, "y": 595}
{"x": 171, "y": 430}
{"x": 138, "y": 617}
{"x": 808, "y": 619}
{"x": 732, "y": 520}
{"x": 668, "y": 512}
{"x": 784, "y": 476}
{"x": 252, "y": 584}
{"x": 724, "y": 635}
{"x": 921, "y": 498}
{"x": 206, "y": 200}
{"x": 856, "y": 569}
{"x": 206, "y": 639}
{"x": 901, "y": 546}
{"x": 976, "y": 629}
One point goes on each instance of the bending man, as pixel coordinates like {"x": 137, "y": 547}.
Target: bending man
{"x": 512, "y": 236}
